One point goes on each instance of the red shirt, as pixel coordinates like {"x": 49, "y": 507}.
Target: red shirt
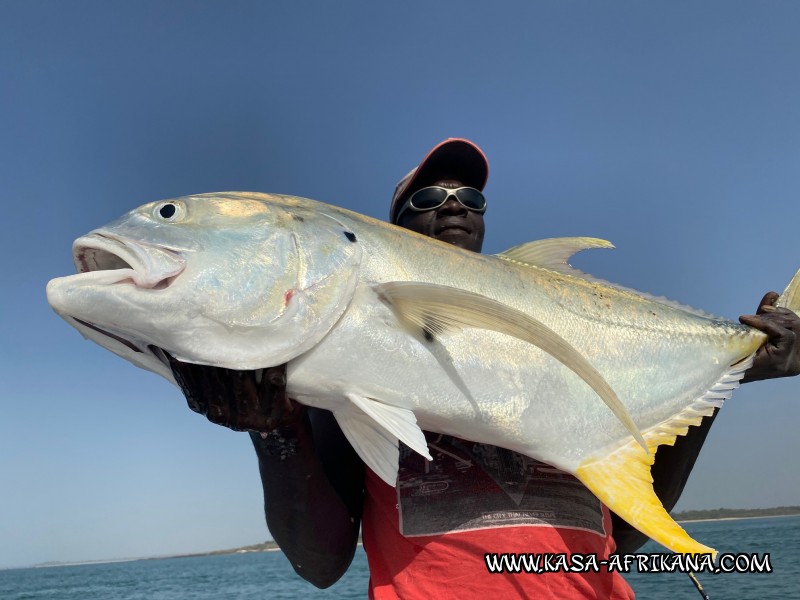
{"x": 427, "y": 538}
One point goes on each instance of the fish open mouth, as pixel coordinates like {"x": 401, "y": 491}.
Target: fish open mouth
{"x": 98, "y": 259}
{"x": 103, "y": 260}
{"x": 147, "y": 266}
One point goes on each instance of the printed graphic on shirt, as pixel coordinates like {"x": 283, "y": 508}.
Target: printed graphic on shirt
{"x": 472, "y": 486}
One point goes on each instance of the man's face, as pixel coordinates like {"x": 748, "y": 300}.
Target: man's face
{"x": 451, "y": 222}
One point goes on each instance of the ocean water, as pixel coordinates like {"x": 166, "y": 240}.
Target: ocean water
{"x": 268, "y": 574}
{"x": 777, "y": 536}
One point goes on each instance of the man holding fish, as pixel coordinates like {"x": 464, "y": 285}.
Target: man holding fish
{"x": 427, "y": 537}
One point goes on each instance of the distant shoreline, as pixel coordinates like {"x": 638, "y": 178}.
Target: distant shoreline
{"x": 737, "y": 518}
{"x": 717, "y": 514}
{"x": 270, "y": 546}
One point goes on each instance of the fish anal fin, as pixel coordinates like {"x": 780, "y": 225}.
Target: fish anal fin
{"x": 622, "y": 482}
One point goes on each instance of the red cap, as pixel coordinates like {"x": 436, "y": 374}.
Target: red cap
{"x": 454, "y": 158}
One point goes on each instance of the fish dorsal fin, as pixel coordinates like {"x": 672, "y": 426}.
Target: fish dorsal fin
{"x": 437, "y": 309}
{"x": 553, "y": 253}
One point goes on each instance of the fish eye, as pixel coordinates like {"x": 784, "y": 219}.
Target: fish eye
{"x": 168, "y": 211}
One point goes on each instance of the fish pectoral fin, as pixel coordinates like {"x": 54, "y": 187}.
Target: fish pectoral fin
{"x": 552, "y": 253}
{"x": 622, "y": 481}
{"x": 373, "y": 429}
{"x": 437, "y": 309}
{"x": 400, "y": 422}
{"x": 376, "y": 447}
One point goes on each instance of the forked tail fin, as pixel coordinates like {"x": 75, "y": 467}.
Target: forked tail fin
{"x": 622, "y": 482}
{"x": 622, "y": 479}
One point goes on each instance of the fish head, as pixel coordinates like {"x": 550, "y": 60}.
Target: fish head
{"x": 240, "y": 281}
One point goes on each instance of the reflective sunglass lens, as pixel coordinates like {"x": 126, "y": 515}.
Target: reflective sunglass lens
{"x": 428, "y": 198}
{"x": 471, "y": 198}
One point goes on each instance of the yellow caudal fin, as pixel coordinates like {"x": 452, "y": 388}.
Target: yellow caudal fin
{"x": 622, "y": 482}
{"x": 622, "y": 479}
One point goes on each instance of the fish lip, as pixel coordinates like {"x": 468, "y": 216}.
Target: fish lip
{"x": 151, "y": 266}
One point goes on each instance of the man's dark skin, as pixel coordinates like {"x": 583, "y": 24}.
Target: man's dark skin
{"x": 313, "y": 481}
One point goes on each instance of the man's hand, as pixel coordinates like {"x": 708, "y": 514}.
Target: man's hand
{"x": 780, "y": 355}
{"x": 234, "y": 399}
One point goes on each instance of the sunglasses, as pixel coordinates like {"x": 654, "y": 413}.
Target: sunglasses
{"x": 431, "y": 198}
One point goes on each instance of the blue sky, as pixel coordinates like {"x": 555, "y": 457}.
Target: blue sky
{"x": 671, "y": 129}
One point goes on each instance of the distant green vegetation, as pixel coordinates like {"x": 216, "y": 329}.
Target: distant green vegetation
{"x": 266, "y": 546}
{"x": 687, "y": 515}
{"x": 735, "y": 513}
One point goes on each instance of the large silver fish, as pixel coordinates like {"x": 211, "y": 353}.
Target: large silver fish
{"x": 394, "y": 332}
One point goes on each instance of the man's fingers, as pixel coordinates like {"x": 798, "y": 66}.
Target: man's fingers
{"x": 233, "y": 398}
{"x": 276, "y": 375}
{"x": 769, "y": 326}
{"x": 218, "y": 413}
{"x": 778, "y": 323}
{"x": 186, "y": 376}
{"x": 245, "y": 398}
{"x": 277, "y": 408}
{"x": 779, "y": 357}
{"x": 250, "y": 402}
{"x": 767, "y": 302}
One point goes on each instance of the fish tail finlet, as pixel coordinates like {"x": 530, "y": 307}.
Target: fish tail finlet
{"x": 622, "y": 482}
